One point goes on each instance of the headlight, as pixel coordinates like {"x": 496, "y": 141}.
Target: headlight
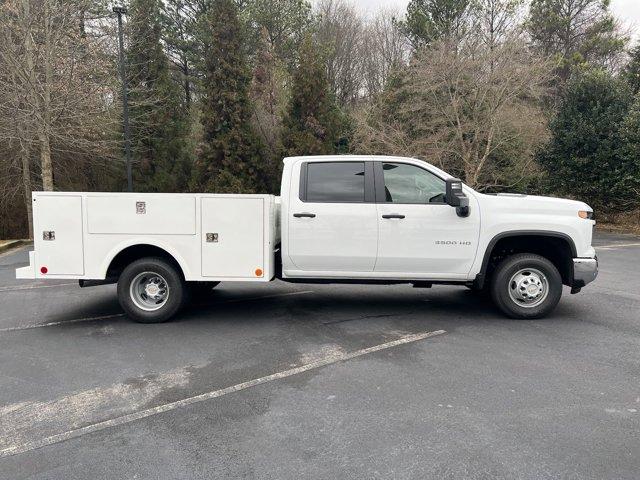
{"x": 586, "y": 215}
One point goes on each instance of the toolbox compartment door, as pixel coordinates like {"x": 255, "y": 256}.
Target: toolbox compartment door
{"x": 58, "y": 234}
{"x": 141, "y": 214}
{"x": 232, "y": 237}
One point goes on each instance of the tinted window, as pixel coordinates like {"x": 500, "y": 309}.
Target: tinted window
{"x": 335, "y": 182}
{"x": 410, "y": 184}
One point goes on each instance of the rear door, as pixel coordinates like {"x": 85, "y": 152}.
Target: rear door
{"x": 58, "y": 234}
{"x": 333, "y": 225}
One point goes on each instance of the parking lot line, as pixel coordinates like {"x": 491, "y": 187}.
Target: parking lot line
{"x": 616, "y": 245}
{"x": 61, "y": 322}
{"x": 132, "y": 417}
{"x": 116, "y": 315}
{"x": 34, "y": 287}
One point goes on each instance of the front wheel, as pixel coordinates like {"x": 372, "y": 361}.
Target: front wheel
{"x": 526, "y": 286}
{"x": 150, "y": 290}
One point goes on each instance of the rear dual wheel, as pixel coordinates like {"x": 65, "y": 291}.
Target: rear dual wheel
{"x": 151, "y": 290}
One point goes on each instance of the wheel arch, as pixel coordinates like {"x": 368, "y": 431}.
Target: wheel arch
{"x": 558, "y": 247}
{"x": 127, "y": 252}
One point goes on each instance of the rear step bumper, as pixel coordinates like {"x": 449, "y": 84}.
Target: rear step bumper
{"x": 28, "y": 272}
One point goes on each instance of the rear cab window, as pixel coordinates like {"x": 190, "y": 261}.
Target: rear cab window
{"x": 333, "y": 182}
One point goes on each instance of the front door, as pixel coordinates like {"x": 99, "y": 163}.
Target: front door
{"x": 418, "y": 232}
{"x": 333, "y": 224}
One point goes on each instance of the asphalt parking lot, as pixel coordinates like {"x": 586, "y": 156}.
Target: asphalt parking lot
{"x": 285, "y": 381}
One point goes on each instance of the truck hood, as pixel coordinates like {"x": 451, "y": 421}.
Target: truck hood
{"x": 534, "y": 203}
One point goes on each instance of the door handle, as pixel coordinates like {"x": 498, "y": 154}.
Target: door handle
{"x": 393, "y": 215}
{"x": 306, "y": 215}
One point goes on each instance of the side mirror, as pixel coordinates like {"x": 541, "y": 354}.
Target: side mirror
{"x": 455, "y": 197}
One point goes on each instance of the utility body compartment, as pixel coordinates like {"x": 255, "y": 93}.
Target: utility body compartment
{"x": 58, "y": 234}
{"x": 211, "y": 236}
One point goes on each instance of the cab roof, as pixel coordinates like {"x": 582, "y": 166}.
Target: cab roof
{"x": 378, "y": 158}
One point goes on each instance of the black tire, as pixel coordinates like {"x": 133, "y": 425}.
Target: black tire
{"x": 518, "y": 271}
{"x": 172, "y": 279}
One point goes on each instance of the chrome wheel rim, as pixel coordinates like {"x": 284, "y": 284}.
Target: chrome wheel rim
{"x": 149, "y": 291}
{"x": 528, "y": 287}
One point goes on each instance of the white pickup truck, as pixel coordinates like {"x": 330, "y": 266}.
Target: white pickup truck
{"x": 362, "y": 219}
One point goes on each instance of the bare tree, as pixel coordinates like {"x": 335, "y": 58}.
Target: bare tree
{"x": 472, "y": 111}
{"x": 340, "y": 30}
{"x": 385, "y": 49}
{"x": 55, "y": 84}
{"x": 498, "y": 19}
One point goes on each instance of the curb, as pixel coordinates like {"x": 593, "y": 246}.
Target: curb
{"x": 10, "y": 245}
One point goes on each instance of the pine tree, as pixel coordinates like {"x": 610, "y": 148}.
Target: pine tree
{"x": 574, "y": 32}
{"x": 159, "y": 121}
{"x": 313, "y": 124}
{"x": 231, "y": 157}
{"x": 179, "y": 21}
{"x": 428, "y": 21}
{"x": 269, "y": 100}
{"x": 281, "y": 23}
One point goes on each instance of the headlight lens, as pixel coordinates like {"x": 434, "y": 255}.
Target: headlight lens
{"x": 585, "y": 214}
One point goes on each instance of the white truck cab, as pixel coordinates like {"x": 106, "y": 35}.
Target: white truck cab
{"x": 369, "y": 219}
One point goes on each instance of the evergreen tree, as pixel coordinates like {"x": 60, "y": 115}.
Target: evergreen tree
{"x": 627, "y": 172}
{"x": 268, "y": 101}
{"x": 428, "y": 21}
{"x": 632, "y": 70}
{"x": 180, "y": 19}
{"x": 231, "y": 155}
{"x": 574, "y": 32}
{"x": 159, "y": 124}
{"x": 281, "y": 23}
{"x": 585, "y": 157}
{"x": 313, "y": 124}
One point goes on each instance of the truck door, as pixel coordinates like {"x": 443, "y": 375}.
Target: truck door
{"x": 418, "y": 232}
{"x": 333, "y": 225}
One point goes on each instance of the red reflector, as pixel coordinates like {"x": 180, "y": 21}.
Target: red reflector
{"x": 43, "y": 270}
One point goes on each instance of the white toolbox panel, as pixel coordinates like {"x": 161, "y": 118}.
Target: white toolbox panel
{"x": 142, "y": 214}
{"x": 60, "y": 219}
{"x": 232, "y": 237}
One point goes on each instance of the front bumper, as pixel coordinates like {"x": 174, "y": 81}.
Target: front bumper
{"x": 585, "y": 270}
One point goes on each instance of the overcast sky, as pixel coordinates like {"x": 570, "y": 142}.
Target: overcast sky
{"x": 628, "y": 11}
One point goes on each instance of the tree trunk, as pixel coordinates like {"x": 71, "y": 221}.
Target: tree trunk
{"x": 25, "y": 153}
{"x": 45, "y": 160}
{"x": 187, "y": 83}
{"x": 45, "y": 127}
